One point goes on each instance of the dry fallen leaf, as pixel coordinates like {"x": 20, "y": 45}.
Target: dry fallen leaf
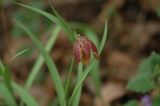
{"x": 110, "y": 92}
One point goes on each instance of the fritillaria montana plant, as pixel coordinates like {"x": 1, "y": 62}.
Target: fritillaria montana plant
{"x": 82, "y": 49}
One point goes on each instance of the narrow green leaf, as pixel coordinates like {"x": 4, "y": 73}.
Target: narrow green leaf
{"x": 4, "y": 71}
{"x": 95, "y": 74}
{"x": 25, "y": 96}
{"x": 49, "y": 16}
{"x": 51, "y": 66}
{"x": 69, "y": 78}
{"x": 76, "y": 98}
{"x": 103, "y": 41}
{"x": 19, "y": 53}
{"x": 59, "y": 21}
{"x": 8, "y": 97}
{"x": 7, "y": 78}
{"x": 82, "y": 78}
{"x": 40, "y": 60}
{"x": 2, "y": 68}
{"x": 64, "y": 24}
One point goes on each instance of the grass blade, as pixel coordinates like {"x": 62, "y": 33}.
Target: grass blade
{"x": 63, "y": 23}
{"x": 8, "y": 97}
{"x": 40, "y": 60}
{"x": 49, "y": 16}
{"x": 7, "y": 78}
{"x": 19, "y": 53}
{"x": 51, "y": 66}
{"x": 53, "y": 18}
{"x": 4, "y": 71}
{"x": 103, "y": 39}
{"x": 25, "y": 96}
{"x": 69, "y": 78}
{"x": 80, "y": 81}
{"x": 78, "y": 93}
{"x": 96, "y": 77}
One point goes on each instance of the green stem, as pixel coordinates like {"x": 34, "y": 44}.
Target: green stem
{"x": 69, "y": 78}
{"x": 78, "y": 93}
{"x": 40, "y": 60}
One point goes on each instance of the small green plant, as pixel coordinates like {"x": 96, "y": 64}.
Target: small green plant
{"x": 64, "y": 99}
{"x": 148, "y": 75}
{"x": 131, "y": 103}
{"x": 146, "y": 80}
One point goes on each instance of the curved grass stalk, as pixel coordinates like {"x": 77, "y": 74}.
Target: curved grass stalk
{"x": 8, "y": 97}
{"x": 40, "y": 60}
{"x": 51, "y": 66}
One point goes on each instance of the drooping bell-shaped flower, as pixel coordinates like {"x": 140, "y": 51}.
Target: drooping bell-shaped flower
{"x": 82, "y": 49}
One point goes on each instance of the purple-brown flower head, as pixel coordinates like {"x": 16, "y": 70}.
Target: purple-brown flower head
{"x": 82, "y": 49}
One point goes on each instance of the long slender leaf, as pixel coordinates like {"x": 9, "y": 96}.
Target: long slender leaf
{"x": 49, "y": 16}
{"x": 19, "y": 53}
{"x": 78, "y": 93}
{"x": 25, "y": 96}
{"x": 69, "y": 78}
{"x": 80, "y": 81}
{"x": 8, "y": 97}
{"x": 63, "y": 23}
{"x": 103, "y": 41}
{"x": 2, "y": 68}
{"x": 52, "y": 67}
{"x": 40, "y": 60}
{"x": 7, "y": 78}
{"x": 4, "y": 71}
{"x": 53, "y": 18}
{"x": 96, "y": 77}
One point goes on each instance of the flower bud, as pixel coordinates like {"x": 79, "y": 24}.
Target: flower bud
{"x": 82, "y": 49}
